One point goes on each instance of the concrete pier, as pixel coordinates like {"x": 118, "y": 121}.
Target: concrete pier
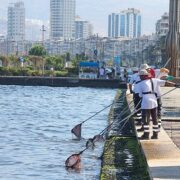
{"x": 163, "y": 155}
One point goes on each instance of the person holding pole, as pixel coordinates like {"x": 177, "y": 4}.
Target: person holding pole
{"x": 162, "y": 74}
{"x": 133, "y": 88}
{"x": 151, "y": 75}
{"x": 149, "y": 69}
{"x": 147, "y": 89}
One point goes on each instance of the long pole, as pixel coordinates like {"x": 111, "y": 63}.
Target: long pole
{"x": 7, "y": 46}
{"x": 17, "y": 50}
{"x": 43, "y": 31}
{"x": 142, "y": 53}
{"x": 96, "y": 54}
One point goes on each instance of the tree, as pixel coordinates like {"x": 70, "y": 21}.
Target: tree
{"x": 37, "y": 62}
{"x": 75, "y": 62}
{"x": 37, "y": 50}
{"x": 14, "y": 61}
{"x": 4, "y": 60}
{"x": 57, "y": 62}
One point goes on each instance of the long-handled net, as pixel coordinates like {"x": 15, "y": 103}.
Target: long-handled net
{"x": 76, "y": 130}
{"x": 74, "y": 160}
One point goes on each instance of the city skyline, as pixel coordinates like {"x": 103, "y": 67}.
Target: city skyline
{"x": 98, "y": 17}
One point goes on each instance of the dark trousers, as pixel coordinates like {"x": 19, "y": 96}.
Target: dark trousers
{"x": 146, "y": 113}
{"x": 137, "y": 102}
{"x": 159, "y": 108}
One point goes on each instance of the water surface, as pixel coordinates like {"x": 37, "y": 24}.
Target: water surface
{"x": 35, "y": 137}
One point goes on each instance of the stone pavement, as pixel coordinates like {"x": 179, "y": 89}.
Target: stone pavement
{"x": 163, "y": 156}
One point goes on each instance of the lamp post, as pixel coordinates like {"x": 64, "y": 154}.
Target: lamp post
{"x": 14, "y": 47}
{"x": 43, "y": 31}
{"x": 142, "y": 51}
{"x": 17, "y": 49}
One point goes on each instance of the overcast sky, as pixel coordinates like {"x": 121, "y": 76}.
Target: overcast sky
{"x": 97, "y": 11}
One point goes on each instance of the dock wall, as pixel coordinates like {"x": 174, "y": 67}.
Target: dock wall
{"x": 61, "y": 82}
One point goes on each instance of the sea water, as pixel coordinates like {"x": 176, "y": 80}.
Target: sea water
{"x": 35, "y": 131}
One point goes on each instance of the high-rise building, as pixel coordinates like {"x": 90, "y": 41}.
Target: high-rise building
{"x": 162, "y": 25}
{"x": 62, "y": 19}
{"x": 127, "y": 23}
{"x": 83, "y": 29}
{"x": 16, "y": 27}
{"x": 16, "y": 22}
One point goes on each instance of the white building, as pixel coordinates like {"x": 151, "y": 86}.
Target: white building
{"x": 83, "y": 29}
{"x": 16, "y": 21}
{"x": 162, "y": 25}
{"x": 127, "y": 23}
{"x": 62, "y": 19}
{"x": 16, "y": 27}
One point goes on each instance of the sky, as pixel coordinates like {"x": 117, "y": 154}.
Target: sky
{"x": 97, "y": 11}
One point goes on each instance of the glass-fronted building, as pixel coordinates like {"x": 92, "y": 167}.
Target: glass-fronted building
{"x": 125, "y": 24}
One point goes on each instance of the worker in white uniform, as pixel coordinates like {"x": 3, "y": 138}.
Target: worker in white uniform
{"x": 133, "y": 87}
{"x": 162, "y": 74}
{"x": 147, "y": 89}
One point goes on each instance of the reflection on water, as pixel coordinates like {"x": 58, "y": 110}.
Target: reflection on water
{"x": 35, "y": 137}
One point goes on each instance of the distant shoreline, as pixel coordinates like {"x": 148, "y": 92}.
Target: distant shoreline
{"x": 61, "y": 82}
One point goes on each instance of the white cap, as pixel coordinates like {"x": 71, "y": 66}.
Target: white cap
{"x": 143, "y": 72}
{"x": 144, "y": 66}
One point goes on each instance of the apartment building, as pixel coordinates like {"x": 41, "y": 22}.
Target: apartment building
{"x": 127, "y": 23}
{"x": 62, "y": 19}
{"x": 16, "y": 27}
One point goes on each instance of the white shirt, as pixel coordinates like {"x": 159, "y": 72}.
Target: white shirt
{"x": 134, "y": 79}
{"x": 101, "y": 72}
{"x": 159, "y": 75}
{"x": 149, "y": 101}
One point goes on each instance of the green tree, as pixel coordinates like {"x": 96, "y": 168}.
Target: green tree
{"x": 57, "y": 62}
{"x": 75, "y": 62}
{"x": 37, "y": 62}
{"x": 37, "y": 50}
{"x": 4, "y": 60}
{"x": 14, "y": 61}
